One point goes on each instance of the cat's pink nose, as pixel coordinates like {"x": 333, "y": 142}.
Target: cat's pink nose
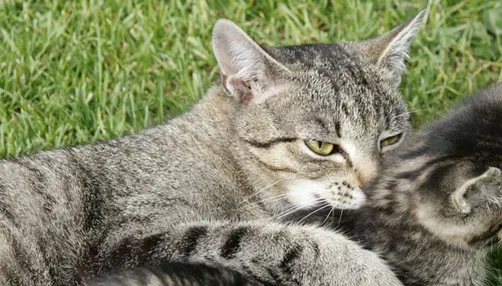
{"x": 363, "y": 181}
{"x": 365, "y": 170}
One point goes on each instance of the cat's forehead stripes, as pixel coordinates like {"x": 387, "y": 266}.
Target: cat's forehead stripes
{"x": 320, "y": 122}
{"x": 336, "y": 94}
{"x": 338, "y": 129}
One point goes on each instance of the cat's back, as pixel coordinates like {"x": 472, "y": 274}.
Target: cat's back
{"x": 475, "y": 123}
{"x": 178, "y": 170}
{"x": 487, "y": 102}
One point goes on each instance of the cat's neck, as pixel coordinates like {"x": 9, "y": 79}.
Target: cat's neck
{"x": 207, "y": 123}
{"x": 211, "y": 121}
{"x": 416, "y": 255}
{"x": 211, "y": 113}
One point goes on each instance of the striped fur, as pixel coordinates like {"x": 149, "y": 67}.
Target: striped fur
{"x": 176, "y": 274}
{"x": 412, "y": 216}
{"x": 211, "y": 185}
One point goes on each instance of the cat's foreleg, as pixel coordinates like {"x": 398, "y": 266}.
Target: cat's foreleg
{"x": 276, "y": 253}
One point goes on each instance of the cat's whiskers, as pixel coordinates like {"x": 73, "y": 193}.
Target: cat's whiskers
{"x": 292, "y": 210}
{"x": 273, "y": 198}
{"x": 410, "y": 112}
{"x": 260, "y": 191}
{"x": 286, "y": 212}
{"x": 414, "y": 110}
{"x": 313, "y": 212}
{"x": 330, "y": 212}
{"x": 247, "y": 201}
{"x": 340, "y": 218}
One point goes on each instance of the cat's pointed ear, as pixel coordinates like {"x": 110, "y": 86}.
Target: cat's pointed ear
{"x": 248, "y": 72}
{"x": 390, "y": 51}
{"x": 486, "y": 188}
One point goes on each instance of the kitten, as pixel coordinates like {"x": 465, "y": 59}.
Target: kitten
{"x": 436, "y": 211}
{"x": 298, "y": 127}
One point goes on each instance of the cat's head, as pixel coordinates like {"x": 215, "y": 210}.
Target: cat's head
{"x": 311, "y": 122}
{"x": 451, "y": 173}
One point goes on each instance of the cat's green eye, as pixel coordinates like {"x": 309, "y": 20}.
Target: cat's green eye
{"x": 390, "y": 141}
{"x": 321, "y": 148}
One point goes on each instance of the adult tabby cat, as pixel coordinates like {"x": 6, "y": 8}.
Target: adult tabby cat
{"x": 434, "y": 214}
{"x": 289, "y": 128}
{"x": 436, "y": 211}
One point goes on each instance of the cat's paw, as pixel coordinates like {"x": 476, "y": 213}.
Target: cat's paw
{"x": 341, "y": 261}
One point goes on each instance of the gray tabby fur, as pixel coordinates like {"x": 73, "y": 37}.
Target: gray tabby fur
{"x": 436, "y": 211}
{"x": 211, "y": 185}
{"x": 176, "y": 274}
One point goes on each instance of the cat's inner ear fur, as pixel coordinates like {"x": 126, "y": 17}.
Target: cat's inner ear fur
{"x": 389, "y": 51}
{"x": 248, "y": 72}
{"x": 486, "y": 188}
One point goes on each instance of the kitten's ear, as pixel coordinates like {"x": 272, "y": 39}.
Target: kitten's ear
{"x": 248, "y": 72}
{"x": 486, "y": 188}
{"x": 390, "y": 50}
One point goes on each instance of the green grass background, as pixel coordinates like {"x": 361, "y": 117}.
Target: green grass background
{"x": 81, "y": 71}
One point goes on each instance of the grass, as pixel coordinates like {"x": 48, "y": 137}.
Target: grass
{"x": 81, "y": 71}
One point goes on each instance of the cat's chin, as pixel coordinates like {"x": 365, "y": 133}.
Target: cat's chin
{"x": 308, "y": 194}
{"x": 358, "y": 199}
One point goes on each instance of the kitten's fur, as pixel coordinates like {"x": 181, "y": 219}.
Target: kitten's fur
{"x": 206, "y": 186}
{"x": 436, "y": 211}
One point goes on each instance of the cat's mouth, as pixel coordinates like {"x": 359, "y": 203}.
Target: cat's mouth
{"x": 308, "y": 194}
{"x": 346, "y": 200}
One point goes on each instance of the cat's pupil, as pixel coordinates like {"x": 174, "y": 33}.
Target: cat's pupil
{"x": 319, "y": 144}
{"x": 390, "y": 141}
{"x": 322, "y": 148}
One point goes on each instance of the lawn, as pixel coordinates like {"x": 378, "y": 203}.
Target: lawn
{"x": 81, "y": 71}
